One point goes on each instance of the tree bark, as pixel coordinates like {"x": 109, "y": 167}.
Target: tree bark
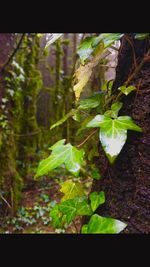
{"x": 127, "y": 183}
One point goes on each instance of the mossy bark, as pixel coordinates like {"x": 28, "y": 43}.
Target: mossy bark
{"x": 10, "y": 181}
{"x": 30, "y": 133}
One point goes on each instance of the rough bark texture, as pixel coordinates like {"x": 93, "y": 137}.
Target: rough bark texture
{"x": 127, "y": 183}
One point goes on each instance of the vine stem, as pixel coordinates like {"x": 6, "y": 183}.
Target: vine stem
{"x": 5, "y": 201}
{"x": 88, "y": 137}
{"x": 133, "y": 51}
{"x": 118, "y": 96}
{"x": 137, "y": 91}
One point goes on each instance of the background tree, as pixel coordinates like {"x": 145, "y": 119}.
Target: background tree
{"x": 10, "y": 180}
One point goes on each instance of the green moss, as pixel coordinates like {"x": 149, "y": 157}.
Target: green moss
{"x": 30, "y": 136}
{"x": 18, "y": 141}
{"x": 11, "y": 182}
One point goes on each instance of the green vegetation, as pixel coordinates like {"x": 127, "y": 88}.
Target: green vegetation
{"x": 47, "y": 109}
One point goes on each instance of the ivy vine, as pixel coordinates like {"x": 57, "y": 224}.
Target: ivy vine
{"x": 112, "y": 130}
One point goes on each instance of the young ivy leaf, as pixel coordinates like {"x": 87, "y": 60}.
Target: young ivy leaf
{"x": 127, "y": 90}
{"x": 95, "y": 174}
{"x": 116, "y": 107}
{"x": 103, "y": 225}
{"x": 84, "y": 229}
{"x": 68, "y": 208}
{"x": 96, "y": 199}
{"x": 67, "y": 154}
{"x": 71, "y": 190}
{"x": 113, "y": 113}
{"x": 73, "y": 207}
{"x": 113, "y": 133}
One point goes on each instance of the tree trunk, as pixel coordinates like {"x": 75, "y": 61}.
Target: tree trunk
{"x": 10, "y": 180}
{"x": 30, "y": 134}
{"x": 127, "y": 183}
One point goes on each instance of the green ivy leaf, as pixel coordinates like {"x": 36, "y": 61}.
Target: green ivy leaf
{"x": 95, "y": 174}
{"x": 57, "y": 144}
{"x": 67, "y": 154}
{"x": 83, "y": 207}
{"x": 56, "y": 216}
{"x": 113, "y": 133}
{"x": 71, "y": 190}
{"x": 84, "y": 229}
{"x": 141, "y": 36}
{"x": 68, "y": 208}
{"x": 126, "y": 123}
{"x": 74, "y": 207}
{"x": 91, "y": 102}
{"x": 56, "y": 159}
{"x": 96, "y": 199}
{"x": 74, "y": 160}
{"x": 127, "y": 90}
{"x": 99, "y": 121}
{"x": 112, "y": 140}
{"x": 107, "y": 38}
{"x": 85, "y": 49}
{"x": 103, "y": 225}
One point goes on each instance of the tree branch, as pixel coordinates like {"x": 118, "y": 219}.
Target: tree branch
{"x": 14, "y": 52}
{"x": 5, "y": 201}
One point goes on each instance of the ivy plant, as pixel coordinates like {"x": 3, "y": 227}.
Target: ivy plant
{"x": 101, "y": 111}
{"x": 113, "y": 130}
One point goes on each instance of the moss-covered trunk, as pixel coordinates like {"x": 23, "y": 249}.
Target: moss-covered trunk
{"x": 10, "y": 180}
{"x": 30, "y": 134}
